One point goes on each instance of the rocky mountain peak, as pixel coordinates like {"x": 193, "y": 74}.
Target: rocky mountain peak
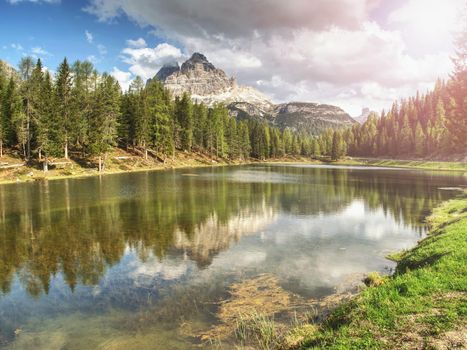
{"x": 210, "y": 85}
{"x": 198, "y": 61}
{"x": 166, "y": 70}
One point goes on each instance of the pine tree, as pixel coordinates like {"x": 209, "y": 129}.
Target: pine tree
{"x": 338, "y": 146}
{"x": 244, "y": 136}
{"x": 200, "y": 116}
{"x": 103, "y": 124}
{"x": 315, "y": 148}
{"x": 419, "y": 141}
{"x": 48, "y": 139}
{"x": 11, "y": 101}
{"x": 184, "y": 116}
{"x": 160, "y": 117}
{"x": 63, "y": 98}
{"x": 81, "y": 95}
{"x": 35, "y": 83}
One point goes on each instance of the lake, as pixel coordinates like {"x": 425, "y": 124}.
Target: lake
{"x": 140, "y": 260}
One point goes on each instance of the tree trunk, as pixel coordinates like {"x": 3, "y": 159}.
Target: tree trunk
{"x": 100, "y": 164}
{"x": 28, "y": 132}
{"x": 103, "y": 161}
{"x": 1, "y": 148}
{"x": 40, "y": 154}
{"x": 46, "y": 164}
{"x": 66, "y": 149}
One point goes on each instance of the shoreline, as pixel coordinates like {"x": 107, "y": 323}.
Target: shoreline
{"x": 422, "y": 299}
{"x": 182, "y": 160}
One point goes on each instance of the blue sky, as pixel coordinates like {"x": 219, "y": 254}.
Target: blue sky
{"x": 350, "y": 53}
{"x": 59, "y": 30}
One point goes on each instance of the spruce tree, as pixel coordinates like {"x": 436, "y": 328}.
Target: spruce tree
{"x": 63, "y": 98}
{"x": 48, "y": 138}
{"x": 184, "y": 117}
{"x": 103, "y": 124}
{"x": 338, "y": 146}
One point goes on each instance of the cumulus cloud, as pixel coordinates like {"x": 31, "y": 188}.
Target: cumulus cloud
{"x": 146, "y": 61}
{"x": 329, "y": 51}
{"x": 123, "y": 78}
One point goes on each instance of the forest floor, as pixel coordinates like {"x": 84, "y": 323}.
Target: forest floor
{"x": 423, "y": 305}
{"x": 13, "y": 168}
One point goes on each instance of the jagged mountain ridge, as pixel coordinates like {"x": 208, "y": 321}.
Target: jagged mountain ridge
{"x": 208, "y": 84}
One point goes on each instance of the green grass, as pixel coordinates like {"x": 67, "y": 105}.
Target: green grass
{"x": 415, "y": 164}
{"x": 423, "y": 305}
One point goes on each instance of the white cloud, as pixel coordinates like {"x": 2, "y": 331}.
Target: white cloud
{"x": 138, "y": 43}
{"x": 123, "y": 78}
{"x": 323, "y": 51}
{"x": 39, "y": 51}
{"x": 17, "y": 47}
{"x": 89, "y": 37}
{"x": 146, "y": 61}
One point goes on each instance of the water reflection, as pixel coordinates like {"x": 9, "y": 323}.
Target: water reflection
{"x": 144, "y": 241}
{"x": 81, "y": 227}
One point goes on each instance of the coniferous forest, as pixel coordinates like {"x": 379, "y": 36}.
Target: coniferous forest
{"x": 84, "y": 113}
{"x": 421, "y": 126}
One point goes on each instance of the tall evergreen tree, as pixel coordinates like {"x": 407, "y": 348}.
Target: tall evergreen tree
{"x": 184, "y": 116}
{"x": 103, "y": 124}
{"x": 48, "y": 139}
{"x": 338, "y": 146}
{"x": 63, "y": 98}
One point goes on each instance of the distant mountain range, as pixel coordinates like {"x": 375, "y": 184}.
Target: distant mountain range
{"x": 208, "y": 84}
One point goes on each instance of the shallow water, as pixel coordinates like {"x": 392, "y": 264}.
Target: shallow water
{"x": 137, "y": 261}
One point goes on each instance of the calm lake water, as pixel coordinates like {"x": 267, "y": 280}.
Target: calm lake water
{"x": 125, "y": 261}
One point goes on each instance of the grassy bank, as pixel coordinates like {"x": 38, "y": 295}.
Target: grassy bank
{"x": 118, "y": 161}
{"x": 422, "y": 306}
{"x": 413, "y": 164}
{"x": 13, "y": 169}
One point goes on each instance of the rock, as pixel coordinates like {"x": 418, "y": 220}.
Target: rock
{"x": 166, "y": 71}
{"x": 210, "y": 85}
